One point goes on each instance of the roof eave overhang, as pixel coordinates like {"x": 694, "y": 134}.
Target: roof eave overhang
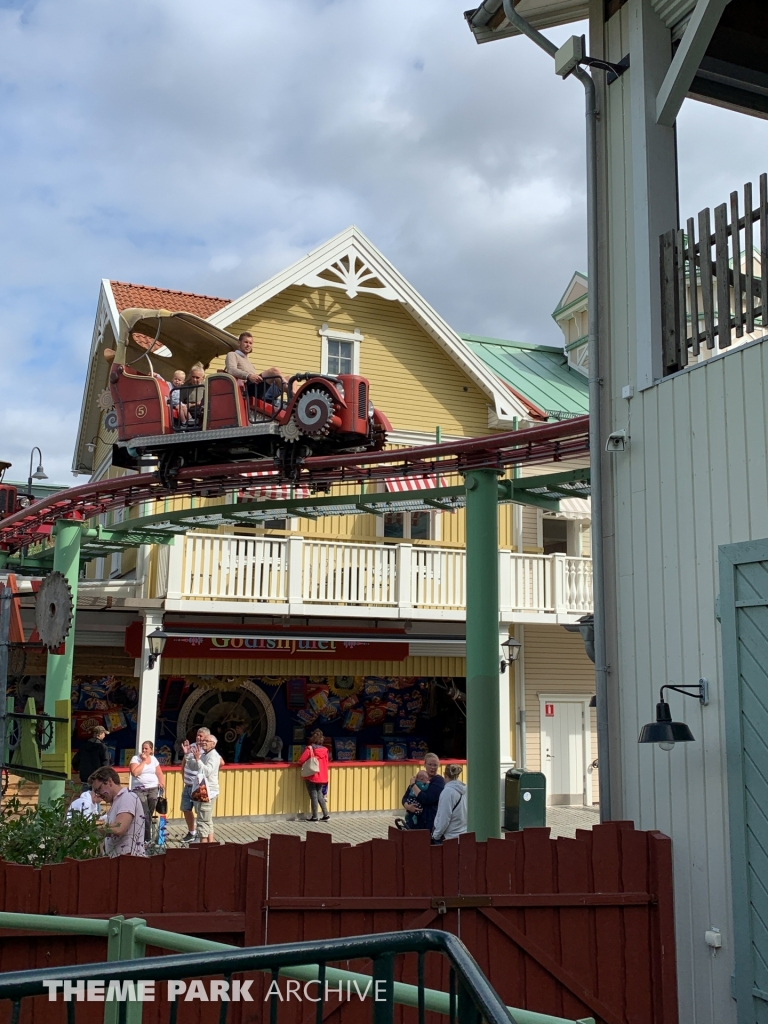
{"x": 488, "y": 22}
{"x": 96, "y": 379}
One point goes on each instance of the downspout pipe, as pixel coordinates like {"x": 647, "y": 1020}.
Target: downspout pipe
{"x": 595, "y": 381}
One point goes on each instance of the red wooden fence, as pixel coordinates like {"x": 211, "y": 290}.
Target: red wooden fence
{"x": 572, "y": 927}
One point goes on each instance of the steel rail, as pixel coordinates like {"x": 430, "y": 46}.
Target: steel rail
{"x": 555, "y": 442}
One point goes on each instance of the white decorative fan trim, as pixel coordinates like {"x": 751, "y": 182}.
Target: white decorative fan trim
{"x": 351, "y": 272}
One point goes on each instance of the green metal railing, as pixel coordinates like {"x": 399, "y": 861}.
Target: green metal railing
{"x": 470, "y": 998}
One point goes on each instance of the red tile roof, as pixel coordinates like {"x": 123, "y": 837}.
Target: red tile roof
{"x": 142, "y": 296}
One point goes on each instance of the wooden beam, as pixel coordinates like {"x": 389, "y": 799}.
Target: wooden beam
{"x": 685, "y": 63}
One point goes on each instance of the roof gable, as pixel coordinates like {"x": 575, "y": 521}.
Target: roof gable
{"x": 351, "y": 263}
{"x": 578, "y": 288}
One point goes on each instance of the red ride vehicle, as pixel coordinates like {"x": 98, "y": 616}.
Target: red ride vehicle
{"x": 214, "y": 421}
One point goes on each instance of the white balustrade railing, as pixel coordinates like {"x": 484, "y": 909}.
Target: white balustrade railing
{"x": 299, "y": 571}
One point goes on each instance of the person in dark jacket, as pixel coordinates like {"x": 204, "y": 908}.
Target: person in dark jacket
{"x": 243, "y": 746}
{"x": 424, "y": 806}
{"x": 91, "y": 756}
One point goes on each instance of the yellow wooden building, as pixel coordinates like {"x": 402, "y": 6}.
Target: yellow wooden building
{"x": 343, "y": 305}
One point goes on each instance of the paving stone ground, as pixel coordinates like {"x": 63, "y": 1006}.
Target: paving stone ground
{"x": 360, "y": 827}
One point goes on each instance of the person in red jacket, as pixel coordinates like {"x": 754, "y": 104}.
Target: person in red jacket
{"x": 316, "y": 782}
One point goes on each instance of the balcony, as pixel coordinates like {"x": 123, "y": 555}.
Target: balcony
{"x": 298, "y": 576}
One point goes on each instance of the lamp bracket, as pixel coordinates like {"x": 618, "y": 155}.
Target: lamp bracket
{"x": 700, "y": 690}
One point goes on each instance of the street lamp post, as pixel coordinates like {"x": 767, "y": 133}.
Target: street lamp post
{"x": 39, "y": 473}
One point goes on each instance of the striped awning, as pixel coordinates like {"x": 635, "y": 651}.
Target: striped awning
{"x": 275, "y": 491}
{"x": 400, "y": 484}
{"x": 572, "y": 508}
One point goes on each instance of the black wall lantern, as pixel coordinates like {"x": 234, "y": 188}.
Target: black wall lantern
{"x": 156, "y": 644}
{"x": 511, "y": 650}
{"x": 664, "y": 731}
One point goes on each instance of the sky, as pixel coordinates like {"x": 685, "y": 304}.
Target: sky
{"x": 205, "y": 147}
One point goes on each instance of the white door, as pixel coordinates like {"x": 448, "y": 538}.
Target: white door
{"x": 563, "y": 750}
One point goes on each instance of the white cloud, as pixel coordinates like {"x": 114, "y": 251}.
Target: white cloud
{"x": 206, "y": 146}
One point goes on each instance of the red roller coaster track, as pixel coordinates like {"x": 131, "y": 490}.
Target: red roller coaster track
{"x": 555, "y": 442}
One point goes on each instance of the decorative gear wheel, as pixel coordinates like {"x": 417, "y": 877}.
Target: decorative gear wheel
{"x": 105, "y": 401}
{"x": 44, "y": 733}
{"x": 17, "y": 661}
{"x": 290, "y": 431}
{"x": 314, "y": 410}
{"x": 53, "y": 610}
{"x": 110, "y": 420}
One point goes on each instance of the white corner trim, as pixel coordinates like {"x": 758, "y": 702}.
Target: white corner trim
{"x": 106, "y": 312}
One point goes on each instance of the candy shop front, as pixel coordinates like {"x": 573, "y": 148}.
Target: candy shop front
{"x": 380, "y": 710}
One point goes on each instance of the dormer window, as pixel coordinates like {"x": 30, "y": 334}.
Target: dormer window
{"x": 340, "y": 351}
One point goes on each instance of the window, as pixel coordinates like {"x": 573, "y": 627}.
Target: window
{"x": 408, "y": 525}
{"x": 340, "y": 351}
{"x": 555, "y": 536}
{"x": 340, "y": 357}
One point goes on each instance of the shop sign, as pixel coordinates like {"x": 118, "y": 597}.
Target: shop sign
{"x": 284, "y": 646}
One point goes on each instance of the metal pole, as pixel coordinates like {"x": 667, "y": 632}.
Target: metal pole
{"x": 58, "y": 676}
{"x": 595, "y": 432}
{"x": 483, "y": 653}
{"x": 6, "y": 596}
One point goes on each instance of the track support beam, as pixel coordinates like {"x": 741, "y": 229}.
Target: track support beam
{"x": 483, "y": 654}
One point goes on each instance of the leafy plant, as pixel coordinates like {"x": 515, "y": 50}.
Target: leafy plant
{"x": 43, "y": 835}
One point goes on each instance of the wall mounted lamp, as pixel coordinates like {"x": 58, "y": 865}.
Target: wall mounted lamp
{"x": 511, "y": 649}
{"x": 156, "y": 643}
{"x": 664, "y": 731}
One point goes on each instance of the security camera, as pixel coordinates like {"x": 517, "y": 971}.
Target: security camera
{"x": 617, "y": 441}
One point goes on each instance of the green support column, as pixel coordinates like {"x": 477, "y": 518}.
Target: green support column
{"x": 58, "y": 676}
{"x": 483, "y": 654}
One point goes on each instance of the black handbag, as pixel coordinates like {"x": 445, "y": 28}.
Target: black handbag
{"x": 161, "y": 807}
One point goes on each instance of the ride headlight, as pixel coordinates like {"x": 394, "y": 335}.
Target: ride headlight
{"x": 340, "y": 389}
{"x": 370, "y": 410}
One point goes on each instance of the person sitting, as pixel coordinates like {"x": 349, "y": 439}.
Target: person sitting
{"x": 239, "y": 365}
{"x": 178, "y": 408}
{"x": 271, "y": 387}
{"x": 87, "y": 804}
{"x": 194, "y": 393}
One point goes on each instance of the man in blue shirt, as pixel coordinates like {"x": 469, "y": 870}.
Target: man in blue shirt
{"x": 243, "y": 749}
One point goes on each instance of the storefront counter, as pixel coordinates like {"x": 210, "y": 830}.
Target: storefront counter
{"x": 279, "y": 789}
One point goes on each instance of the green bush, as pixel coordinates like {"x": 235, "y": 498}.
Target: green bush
{"x": 43, "y": 835}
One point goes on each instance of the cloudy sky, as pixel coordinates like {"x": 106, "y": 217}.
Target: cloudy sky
{"x": 205, "y": 146}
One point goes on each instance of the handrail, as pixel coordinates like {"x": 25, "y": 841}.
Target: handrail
{"x": 290, "y": 958}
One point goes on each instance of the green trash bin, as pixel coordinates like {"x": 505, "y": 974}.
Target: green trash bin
{"x": 525, "y": 800}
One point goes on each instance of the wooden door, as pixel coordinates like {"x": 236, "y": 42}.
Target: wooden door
{"x": 563, "y": 749}
{"x": 744, "y": 617}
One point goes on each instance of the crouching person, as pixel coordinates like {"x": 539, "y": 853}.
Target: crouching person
{"x": 124, "y": 824}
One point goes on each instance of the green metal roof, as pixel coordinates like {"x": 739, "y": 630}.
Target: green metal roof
{"x": 539, "y": 372}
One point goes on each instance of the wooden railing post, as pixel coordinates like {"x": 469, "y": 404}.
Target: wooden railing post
{"x": 559, "y": 583}
{"x": 294, "y": 563}
{"x": 403, "y": 575}
{"x": 175, "y": 561}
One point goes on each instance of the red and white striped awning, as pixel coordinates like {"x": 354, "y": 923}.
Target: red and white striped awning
{"x": 275, "y": 491}
{"x": 413, "y": 483}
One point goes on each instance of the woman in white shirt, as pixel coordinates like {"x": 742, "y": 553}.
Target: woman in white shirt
{"x": 147, "y": 782}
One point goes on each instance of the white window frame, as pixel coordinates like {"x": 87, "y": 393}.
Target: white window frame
{"x": 434, "y": 520}
{"x": 332, "y": 334}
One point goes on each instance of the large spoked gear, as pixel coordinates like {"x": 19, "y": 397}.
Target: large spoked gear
{"x": 314, "y": 411}
{"x": 54, "y": 610}
{"x": 44, "y": 733}
{"x": 290, "y": 431}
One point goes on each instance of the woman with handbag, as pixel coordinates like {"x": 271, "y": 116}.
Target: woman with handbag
{"x": 314, "y": 771}
{"x": 147, "y": 782}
